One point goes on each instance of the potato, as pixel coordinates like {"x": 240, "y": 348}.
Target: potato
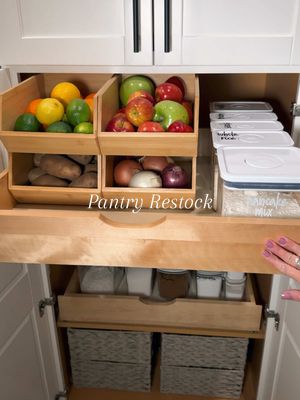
{"x": 35, "y": 173}
{"x": 49, "y": 180}
{"x": 37, "y": 159}
{"x": 60, "y": 167}
{"x": 90, "y": 168}
{"x": 84, "y": 160}
{"x": 88, "y": 180}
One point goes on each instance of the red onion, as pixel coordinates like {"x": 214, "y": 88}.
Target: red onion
{"x": 154, "y": 163}
{"x": 173, "y": 176}
{"x": 125, "y": 170}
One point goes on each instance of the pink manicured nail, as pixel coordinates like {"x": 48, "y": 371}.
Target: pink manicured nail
{"x": 282, "y": 241}
{"x": 286, "y": 296}
{"x": 266, "y": 253}
{"x": 269, "y": 244}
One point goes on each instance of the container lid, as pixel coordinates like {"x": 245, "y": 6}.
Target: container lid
{"x": 244, "y": 117}
{"x": 172, "y": 271}
{"x": 235, "y": 275}
{"x": 238, "y": 106}
{"x": 258, "y": 138}
{"x": 209, "y": 273}
{"x": 260, "y": 167}
{"x": 246, "y": 126}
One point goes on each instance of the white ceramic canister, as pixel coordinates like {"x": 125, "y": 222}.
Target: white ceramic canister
{"x": 209, "y": 284}
{"x": 235, "y": 285}
{"x": 139, "y": 281}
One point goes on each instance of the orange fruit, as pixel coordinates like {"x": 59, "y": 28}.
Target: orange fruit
{"x": 90, "y": 103}
{"x": 90, "y": 96}
{"x": 65, "y": 92}
{"x": 49, "y": 111}
{"x": 32, "y": 106}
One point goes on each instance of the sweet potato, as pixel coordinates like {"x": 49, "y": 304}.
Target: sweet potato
{"x": 84, "y": 160}
{"x": 60, "y": 166}
{"x": 49, "y": 180}
{"x": 35, "y": 173}
{"x": 88, "y": 180}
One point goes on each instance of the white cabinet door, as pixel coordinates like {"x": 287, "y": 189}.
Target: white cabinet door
{"x": 74, "y": 32}
{"x": 279, "y": 377}
{"x": 29, "y": 362}
{"x": 231, "y": 32}
{"x": 4, "y": 84}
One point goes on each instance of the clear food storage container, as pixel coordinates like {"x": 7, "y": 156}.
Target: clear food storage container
{"x": 173, "y": 283}
{"x": 209, "y": 284}
{"x": 240, "y": 106}
{"x": 242, "y": 116}
{"x": 249, "y": 126}
{"x": 139, "y": 281}
{"x": 259, "y": 181}
{"x": 235, "y": 285}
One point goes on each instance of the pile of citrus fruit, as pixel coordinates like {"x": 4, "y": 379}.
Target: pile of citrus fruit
{"x": 64, "y": 111}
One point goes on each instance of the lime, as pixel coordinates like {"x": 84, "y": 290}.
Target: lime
{"x": 49, "y": 111}
{"x": 84, "y": 127}
{"x": 27, "y": 122}
{"x": 65, "y": 119}
{"x": 59, "y": 126}
{"x": 78, "y": 111}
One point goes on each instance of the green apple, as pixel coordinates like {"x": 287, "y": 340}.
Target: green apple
{"x": 134, "y": 83}
{"x": 168, "y": 111}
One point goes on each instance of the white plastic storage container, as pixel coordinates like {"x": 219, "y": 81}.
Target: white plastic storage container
{"x": 234, "y": 285}
{"x": 259, "y": 181}
{"x": 243, "y": 117}
{"x": 139, "y": 281}
{"x": 209, "y": 284}
{"x": 249, "y": 126}
{"x": 240, "y": 106}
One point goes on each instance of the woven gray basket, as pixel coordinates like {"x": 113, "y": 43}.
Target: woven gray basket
{"x": 109, "y": 375}
{"x": 117, "y": 346}
{"x": 204, "y": 351}
{"x": 201, "y": 381}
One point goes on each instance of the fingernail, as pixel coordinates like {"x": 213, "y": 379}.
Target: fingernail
{"x": 286, "y": 296}
{"x": 269, "y": 244}
{"x": 282, "y": 241}
{"x": 266, "y": 253}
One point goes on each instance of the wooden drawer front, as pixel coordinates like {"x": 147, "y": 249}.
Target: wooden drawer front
{"x": 131, "y": 310}
{"x": 14, "y": 101}
{"x": 19, "y": 166}
{"x": 146, "y": 143}
{"x": 149, "y": 197}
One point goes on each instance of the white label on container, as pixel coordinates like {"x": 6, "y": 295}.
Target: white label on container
{"x": 227, "y": 136}
{"x": 264, "y": 206}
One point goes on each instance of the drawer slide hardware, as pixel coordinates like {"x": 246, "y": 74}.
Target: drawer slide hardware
{"x": 273, "y": 314}
{"x": 61, "y": 395}
{"x": 295, "y": 110}
{"x": 47, "y": 301}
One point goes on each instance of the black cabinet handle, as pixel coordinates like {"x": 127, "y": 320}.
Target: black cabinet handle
{"x": 136, "y": 25}
{"x": 167, "y": 26}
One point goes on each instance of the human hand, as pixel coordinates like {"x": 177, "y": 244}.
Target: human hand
{"x": 285, "y": 256}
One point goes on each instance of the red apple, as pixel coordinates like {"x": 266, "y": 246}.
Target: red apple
{"x": 139, "y": 110}
{"x": 119, "y": 123}
{"x": 168, "y": 91}
{"x": 141, "y": 93}
{"x": 150, "y": 126}
{"x": 178, "y": 82}
{"x": 189, "y": 108}
{"x": 179, "y": 126}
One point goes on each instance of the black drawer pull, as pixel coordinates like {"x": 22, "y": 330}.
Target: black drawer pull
{"x": 136, "y": 25}
{"x": 167, "y": 26}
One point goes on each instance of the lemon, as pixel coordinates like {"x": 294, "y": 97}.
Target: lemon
{"x": 49, "y": 111}
{"x": 65, "y": 92}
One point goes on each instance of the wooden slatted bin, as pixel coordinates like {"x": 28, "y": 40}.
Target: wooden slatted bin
{"x": 13, "y": 102}
{"x": 21, "y": 189}
{"x": 77, "y": 307}
{"x": 153, "y": 198}
{"x": 147, "y": 143}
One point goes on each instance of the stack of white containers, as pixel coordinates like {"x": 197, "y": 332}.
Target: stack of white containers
{"x": 256, "y": 168}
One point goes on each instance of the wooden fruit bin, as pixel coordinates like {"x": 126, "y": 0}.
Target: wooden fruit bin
{"x": 14, "y": 101}
{"x": 19, "y": 166}
{"x": 147, "y": 143}
{"x": 147, "y": 196}
{"x": 76, "y": 307}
